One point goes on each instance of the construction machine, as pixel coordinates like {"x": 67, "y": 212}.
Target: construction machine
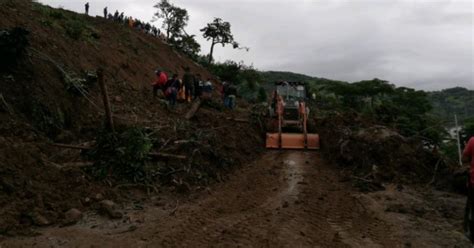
{"x": 289, "y": 113}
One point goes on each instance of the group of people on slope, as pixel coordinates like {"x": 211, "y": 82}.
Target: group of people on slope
{"x": 190, "y": 87}
{"x": 183, "y": 89}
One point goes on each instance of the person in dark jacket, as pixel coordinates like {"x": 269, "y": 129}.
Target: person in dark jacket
{"x": 188, "y": 80}
{"x": 197, "y": 86}
{"x": 105, "y": 13}
{"x": 230, "y": 95}
{"x": 87, "y": 8}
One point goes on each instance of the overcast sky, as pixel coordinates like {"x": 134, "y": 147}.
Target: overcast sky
{"x": 424, "y": 44}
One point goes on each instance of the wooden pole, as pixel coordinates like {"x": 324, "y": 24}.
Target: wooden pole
{"x": 457, "y": 139}
{"x": 109, "y": 123}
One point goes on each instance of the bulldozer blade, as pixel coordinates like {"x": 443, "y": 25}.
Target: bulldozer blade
{"x": 292, "y": 141}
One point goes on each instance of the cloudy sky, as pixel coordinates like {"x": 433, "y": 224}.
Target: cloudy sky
{"x": 425, "y": 44}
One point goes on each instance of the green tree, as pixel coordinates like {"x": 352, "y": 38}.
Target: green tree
{"x": 262, "y": 95}
{"x": 174, "y": 19}
{"x": 218, "y": 32}
{"x": 467, "y": 130}
{"x": 188, "y": 45}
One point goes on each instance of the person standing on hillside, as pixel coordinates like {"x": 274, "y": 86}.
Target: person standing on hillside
{"x": 105, "y": 13}
{"x": 231, "y": 95}
{"x": 468, "y": 156}
{"x": 188, "y": 80}
{"x": 116, "y": 15}
{"x": 197, "y": 86}
{"x": 160, "y": 82}
{"x": 87, "y": 8}
{"x": 207, "y": 90}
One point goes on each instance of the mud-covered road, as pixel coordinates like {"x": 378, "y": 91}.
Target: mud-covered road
{"x": 285, "y": 199}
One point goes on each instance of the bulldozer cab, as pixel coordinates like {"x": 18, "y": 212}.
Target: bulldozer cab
{"x": 291, "y": 92}
{"x": 289, "y": 110}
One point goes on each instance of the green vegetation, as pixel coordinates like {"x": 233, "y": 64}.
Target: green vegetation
{"x": 79, "y": 85}
{"x": 13, "y": 44}
{"x": 452, "y": 101}
{"x": 47, "y": 121}
{"x": 404, "y": 109}
{"x": 75, "y": 29}
{"x": 73, "y": 26}
{"x": 123, "y": 155}
{"x": 246, "y": 78}
{"x": 175, "y": 19}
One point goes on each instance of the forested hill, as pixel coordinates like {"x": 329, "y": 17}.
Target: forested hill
{"x": 452, "y": 101}
{"x": 274, "y": 76}
{"x": 446, "y": 103}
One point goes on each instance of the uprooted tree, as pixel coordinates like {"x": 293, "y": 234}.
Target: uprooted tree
{"x": 219, "y": 32}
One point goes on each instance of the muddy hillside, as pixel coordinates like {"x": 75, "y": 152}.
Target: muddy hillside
{"x": 49, "y": 95}
{"x": 90, "y": 157}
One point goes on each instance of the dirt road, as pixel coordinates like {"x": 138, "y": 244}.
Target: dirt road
{"x": 286, "y": 199}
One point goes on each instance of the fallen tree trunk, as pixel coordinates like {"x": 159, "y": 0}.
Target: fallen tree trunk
{"x": 77, "y": 147}
{"x": 166, "y": 155}
{"x": 194, "y": 109}
{"x": 238, "y": 120}
{"x": 152, "y": 154}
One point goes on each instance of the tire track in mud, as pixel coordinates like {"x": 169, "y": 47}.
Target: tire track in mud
{"x": 285, "y": 199}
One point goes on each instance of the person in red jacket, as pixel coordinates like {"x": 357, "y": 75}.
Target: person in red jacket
{"x": 160, "y": 81}
{"x": 468, "y": 156}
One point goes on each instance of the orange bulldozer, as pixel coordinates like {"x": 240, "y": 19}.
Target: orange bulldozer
{"x": 289, "y": 112}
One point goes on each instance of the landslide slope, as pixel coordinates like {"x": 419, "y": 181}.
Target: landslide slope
{"x": 40, "y": 104}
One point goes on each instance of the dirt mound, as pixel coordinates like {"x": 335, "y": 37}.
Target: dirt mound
{"x": 375, "y": 154}
{"x": 51, "y": 96}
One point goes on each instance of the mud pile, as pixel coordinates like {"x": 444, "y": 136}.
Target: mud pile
{"x": 49, "y": 97}
{"x": 374, "y": 154}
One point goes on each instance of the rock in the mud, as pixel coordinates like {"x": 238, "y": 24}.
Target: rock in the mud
{"x": 110, "y": 208}
{"x": 40, "y": 220}
{"x": 72, "y": 216}
{"x": 99, "y": 197}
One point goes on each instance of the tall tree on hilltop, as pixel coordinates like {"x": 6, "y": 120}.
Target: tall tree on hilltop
{"x": 188, "y": 45}
{"x": 174, "y": 18}
{"x": 219, "y": 32}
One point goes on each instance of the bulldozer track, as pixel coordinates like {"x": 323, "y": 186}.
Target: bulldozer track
{"x": 285, "y": 199}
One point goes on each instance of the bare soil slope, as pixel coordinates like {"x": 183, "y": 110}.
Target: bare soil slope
{"x": 39, "y": 183}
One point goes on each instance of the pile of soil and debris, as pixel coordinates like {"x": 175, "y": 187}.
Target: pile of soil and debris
{"x": 51, "y": 96}
{"x": 372, "y": 154}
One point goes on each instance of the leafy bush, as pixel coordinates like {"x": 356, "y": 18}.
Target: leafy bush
{"x": 56, "y": 14}
{"x": 122, "y": 155}
{"x": 45, "y": 120}
{"x": 77, "y": 85}
{"x": 262, "y": 95}
{"x": 75, "y": 29}
{"x": 13, "y": 44}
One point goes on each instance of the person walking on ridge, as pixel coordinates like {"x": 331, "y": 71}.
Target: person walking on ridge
{"x": 105, "y": 13}
{"x": 87, "y": 8}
